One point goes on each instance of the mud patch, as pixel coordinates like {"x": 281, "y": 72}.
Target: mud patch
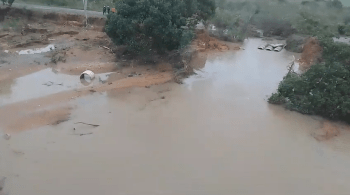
{"x": 31, "y": 119}
{"x": 29, "y": 43}
{"x": 62, "y": 33}
{"x": 29, "y": 29}
{"x": 327, "y": 132}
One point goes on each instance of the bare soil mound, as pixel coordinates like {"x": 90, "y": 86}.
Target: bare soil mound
{"x": 205, "y": 42}
{"x": 311, "y": 54}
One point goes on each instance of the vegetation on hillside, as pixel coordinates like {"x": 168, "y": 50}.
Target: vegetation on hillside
{"x": 324, "y": 88}
{"x": 280, "y": 18}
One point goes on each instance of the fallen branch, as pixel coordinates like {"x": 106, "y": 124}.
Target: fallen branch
{"x": 87, "y": 124}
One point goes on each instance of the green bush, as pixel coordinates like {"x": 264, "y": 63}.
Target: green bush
{"x": 322, "y": 90}
{"x": 149, "y": 24}
{"x": 341, "y": 29}
{"x": 335, "y": 4}
{"x": 276, "y": 27}
{"x": 347, "y": 19}
{"x": 4, "y": 2}
{"x": 10, "y": 2}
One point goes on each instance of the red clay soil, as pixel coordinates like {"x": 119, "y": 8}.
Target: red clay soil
{"x": 205, "y": 42}
{"x": 311, "y": 54}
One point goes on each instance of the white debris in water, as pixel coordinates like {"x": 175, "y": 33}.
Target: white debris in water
{"x": 37, "y": 50}
{"x": 6, "y": 51}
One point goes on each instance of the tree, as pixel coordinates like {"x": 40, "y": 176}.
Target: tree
{"x": 4, "y": 2}
{"x": 10, "y": 2}
{"x": 335, "y": 4}
{"x": 324, "y": 88}
{"x": 143, "y": 25}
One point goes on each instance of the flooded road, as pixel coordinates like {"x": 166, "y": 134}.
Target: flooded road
{"x": 216, "y": 134}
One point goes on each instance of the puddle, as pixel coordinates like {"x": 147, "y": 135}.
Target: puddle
{"x": 42, "y": 83}
{"x": 252, "y": 68}
{"x": 37, "y": 50}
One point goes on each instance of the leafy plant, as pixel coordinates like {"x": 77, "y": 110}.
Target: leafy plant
{"x": 10, "y": 2}
{"x": 324, "y": 88}
{"x": 143, "y": 25}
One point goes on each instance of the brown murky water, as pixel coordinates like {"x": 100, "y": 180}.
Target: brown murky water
{"x": 213, "y": 135}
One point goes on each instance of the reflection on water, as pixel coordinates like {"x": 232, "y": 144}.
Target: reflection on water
{"x": 220, "y": 137}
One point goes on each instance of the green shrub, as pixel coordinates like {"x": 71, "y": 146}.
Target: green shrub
{"x": 335, "y": 4}
{"x": 341, "y": 29}
{"x": 276, "y": 27}
{"x": 150, "y": 24}
{"x": 10, "y": 2}
{"x": 324, "y": 89}
{"x": 347, "y": 19}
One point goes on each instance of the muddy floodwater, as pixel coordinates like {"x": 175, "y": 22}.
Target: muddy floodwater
{"x": 215, "y": 134}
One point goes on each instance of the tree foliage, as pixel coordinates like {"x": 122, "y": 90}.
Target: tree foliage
{"x": 156, "y": 24}
{"x": 335, "y": 4}
{"x": 324, "y": 89}
{"x": 9, "y": 2}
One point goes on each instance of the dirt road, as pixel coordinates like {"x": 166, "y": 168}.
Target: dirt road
{"x": 57, "y": 9}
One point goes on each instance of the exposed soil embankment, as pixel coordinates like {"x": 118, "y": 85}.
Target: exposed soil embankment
{"x": 312, "y": 54}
